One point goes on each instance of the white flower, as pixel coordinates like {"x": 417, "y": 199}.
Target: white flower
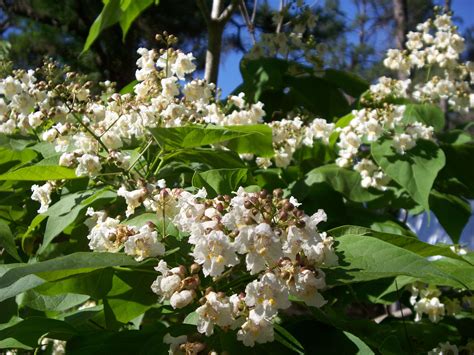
{"x": 214, "y": 252}
{"x": 144, "y": 244}
{"x": 182, "y": 299}
{"x": 263, "y": 163}
{"x": 216, "y": 311}
{"x": 112, "y": 140}
{"x": 84, "y": 143}
{"x": 35, "y": 119}
{"x": 88, "y": 165}
{"x": 183, "y": 65}
{"x": 319, "y": 129}
{"x": 9, "y": 87}
{"x": 103, "y": 234}
{"x": 42, "y": 194}
{"x": 403, "y": 142}
{"x": 66, "y": 159}
{"x": 170, "y": 87}
{"x": 267, "y": 295}
{"x": 174, "y": 343}
{"x": 190, "y": 210}
{"x": 430, "y": 306}
{"x": 49, "y": 135}
{"x": 198, "y": 90}
{"x": 168, "y": 283}
{"x": 445, "y": 349}
{"x": 133, "y": 198}
{"x": 256, "y": 330}
{"x": 238, "y": 101}
{"x": 306, "y": 286}
{"x": 261, "y": 245}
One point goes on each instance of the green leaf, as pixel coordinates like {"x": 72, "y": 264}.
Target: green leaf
{"x": 61, "y": 267}
{"x": 415, "y": 171}
{"x": 143, "y": 342}
{"x": 220, "y": 181}
{"x": 19, "y": 286}
{"x": 286, "y": 339}
{"x": 109, "y": 16}
{"x": 458, "y": 270}
{"x": 261, "y": 75}
{"x": 123, "y": 12}
{"x": 191, "y": 318}
{"x": 457, "y": 155}
{"x": 35, "y": 300}
{"x": 131, "y": 295}
{"x": 351, "y": 83}
{"x": 412, "y": 244}
{"x": 363, "y": 348}
{"x": 343, "y": 180}
{"x": 68, "y": 209}
{"x": 10, "y": 159}
{"x": 7, "y": 240}
{"x": 318, "y": 96}
{"x": 284, "y": 86}
{"x": 96, "y": 284}
{"x": 24, "y": 334}
{"x": 452, "y": 212}
{"x": 127, "y": 89}
{"x": 366, "y": 258}
{"x": 40, "y": 173}
{"x": 141, "y": 219}
{"x": 431, "y": 115}
{"x": 217, "y": 159}
{"x": 131, "y": 9}
{"x": 255, "y": 139}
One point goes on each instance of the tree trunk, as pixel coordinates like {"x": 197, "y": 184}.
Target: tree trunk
{"x": 216, "y": 21}
{"x": 213, "y": 54}
{"x": 400, "y": 14}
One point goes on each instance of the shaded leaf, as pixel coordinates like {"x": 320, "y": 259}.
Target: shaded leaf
{"x": 343, "y": 180}
{"x": 220, "y": 181}
{"x": 415, "y": 171}
{"x": 7, "y": 240}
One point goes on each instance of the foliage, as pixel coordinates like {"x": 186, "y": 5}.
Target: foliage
{"x": 172, "y": 220}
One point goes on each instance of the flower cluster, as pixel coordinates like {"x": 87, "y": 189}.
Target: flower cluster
{"x": 92, "y": 128}
{"x": 435, "y": 46}
{"x": 261, "y": 234}
{"x": 109, "y": 234}
{"x": 291, "y": 134}
{"x": 425, "y": 300}
{"x": 452, "y": 349}
{"x": 291, "y": 38}
{"x": 429, "y": 300}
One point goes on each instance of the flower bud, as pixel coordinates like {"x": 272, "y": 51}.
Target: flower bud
{"x": 194, "y": 268}
{"x": 182, "y": 299}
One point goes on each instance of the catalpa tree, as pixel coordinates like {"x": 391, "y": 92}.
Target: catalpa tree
{"x": 163, "y": 217}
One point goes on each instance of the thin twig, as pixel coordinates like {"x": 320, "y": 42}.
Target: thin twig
{"x": 225, "y": 15}
{"x": 280, "y": 22}
{"x": 245, "y": 15}
{"x": 403, "y": 318}
{"x": 140, "y": 155}
{"x": 254, "y": 11}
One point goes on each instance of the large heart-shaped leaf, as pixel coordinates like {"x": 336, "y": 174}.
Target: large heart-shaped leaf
{"x": 415, "y": 170}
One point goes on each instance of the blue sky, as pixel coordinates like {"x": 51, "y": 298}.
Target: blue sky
{"x": 229, "y": 75}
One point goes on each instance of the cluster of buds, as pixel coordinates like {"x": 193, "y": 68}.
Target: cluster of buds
{"x": 177, "y": 285}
